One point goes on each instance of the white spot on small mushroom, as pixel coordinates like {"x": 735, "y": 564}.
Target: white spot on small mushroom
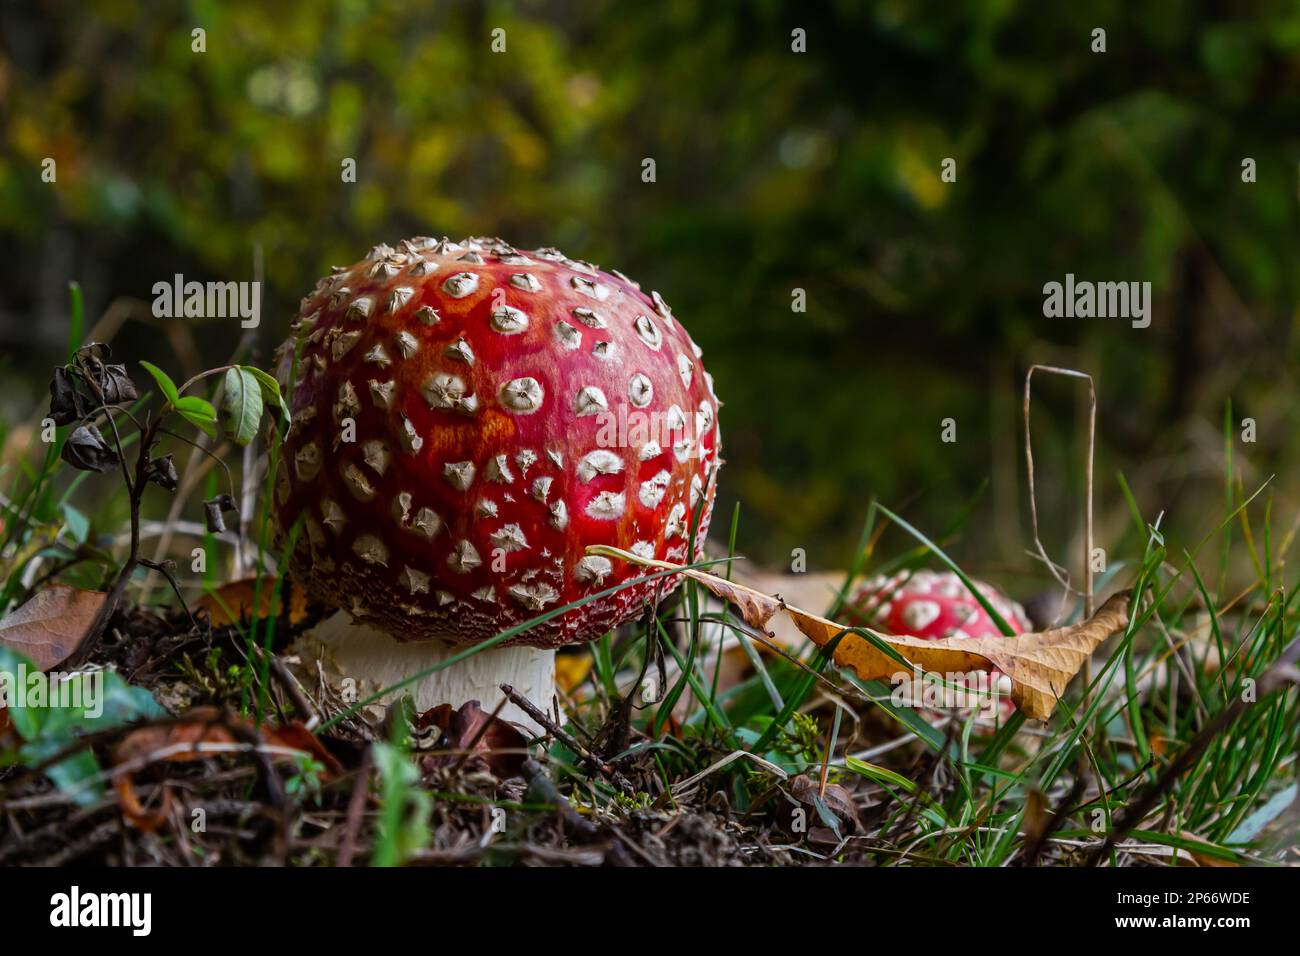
{"x": 401, "y": 509}
{"x": 593, "y": 320}
{"x": 703, "y": 418}
{"x": 428, "y": 315}
{"x": 602, "y": 461}
{"x": 676, "y": 524}
{"x": 409, "y": 437}
{"x": 661, "y": 306}
{"x": 381, "y": 393}
{"x": 332, "y": 515}
{"x": 509, "y": 538}
{"x": 375, "y": 453}
{"x": 487, "y": 594}
{"x": 407, "y": 343}
{"x": 590, "y": 401}
{"x": 379, "y": 355}
{"x": 463, "y": 558}
{"x": 523, "y": 395}
{"x": 525, "y": 281}
{"x": 684, "y": 448}
{"x": 460, "y": 351}
{"x": 556, "y": 456}
{"x": 541, "y": 489}
{"x": 570, "y": 338}
{"x": 685, "y": 368}
{"x": 486, "y": 508}
{"x": 459, "y": 474}
{"x": 675, "y": 418}
{"x": 640, "y": 390}
{"x": 497, "y": 469}
{"x": 399, "y": 297}
{"x": 919, "y": 615}
{"x": 525, "y": 460}
{"x": 370, "y": 550}
{"x": 360, "y": 307}
{"x": 605, "y": 351}
{"x": 606, "y": 506}
{"x": 551, "y": 253}
{"x": 653, "y": 490}
{"x": 460, "y": 285}
{"x": 559, "y": 516}
{"x": 357, "y": 483}
{"x": 643, "y": 549}
{"x": 697, "y": 489}
{"x": 421, "y": 268}
{"x": 444, "y": 391}
{"x": 427, "y": 523}
{"x": 306, "y": 461}
{"x": 348, "y": 404}
{"x": 340, "y": 295}
{"x": 593, "y": 569}
{"x": 648, "y": 332}
{"x": 509, "y": 321}
{"x": 594, "y": 290}
{"x": 534, "y": 596}
{"x": 417, "y": 582}
{"x": 650, "y": 449}
{"x": 343, "y": 343}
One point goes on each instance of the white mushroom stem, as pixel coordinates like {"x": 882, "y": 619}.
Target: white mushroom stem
{"x": 375, "y": 660}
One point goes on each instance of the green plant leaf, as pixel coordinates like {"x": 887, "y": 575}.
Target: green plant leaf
{"x": 270, "y": 387}
{"x": 241, "y": 405}
{"x": 165, "y": 383}
{"x": 82, "y": 703}
{"x": 199, "y": 413}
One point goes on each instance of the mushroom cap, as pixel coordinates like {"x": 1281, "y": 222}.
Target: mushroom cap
{"x": 467, "y": 419}
{"x": 934, "y": 605}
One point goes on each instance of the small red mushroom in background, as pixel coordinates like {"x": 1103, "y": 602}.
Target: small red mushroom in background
{"x": 467, "y": 419}
{"x": 934, "y": 605}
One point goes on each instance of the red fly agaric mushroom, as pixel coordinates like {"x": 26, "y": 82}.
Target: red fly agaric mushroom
{"x": 935, "y": 605}
{"x": 467, "y": 419}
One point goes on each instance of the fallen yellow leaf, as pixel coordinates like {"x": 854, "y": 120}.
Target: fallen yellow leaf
{"x": 1040, "y": 664}
{"x": 232, "y": 603}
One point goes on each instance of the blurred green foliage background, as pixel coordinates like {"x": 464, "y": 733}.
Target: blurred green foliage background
{"x": 776, "y": 171}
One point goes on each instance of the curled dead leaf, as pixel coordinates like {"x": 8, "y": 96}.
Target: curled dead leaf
{"x": 485, "y": 737}
{"x": 1040, "y": 664}
{"x": 49, "y": 627}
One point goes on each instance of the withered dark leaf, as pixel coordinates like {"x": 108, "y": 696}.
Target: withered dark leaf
{"x": 212, "y": 515}
{"x": 117, "y": 385}
{"x": 86, "y": 449}
{"x": 67, "y": 405}
{"x": 110, "y": 382}
{"x": 162, "y": 472}
{"x": 212, "y": 509}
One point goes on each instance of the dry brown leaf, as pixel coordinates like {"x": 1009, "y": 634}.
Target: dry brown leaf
{"x": 204, "y": 731}
{"x": 471, "y": 730}
{"x": 49, "y": 627}
{"x": 1040, "y": 664}
{"x": 232, "y": 603}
